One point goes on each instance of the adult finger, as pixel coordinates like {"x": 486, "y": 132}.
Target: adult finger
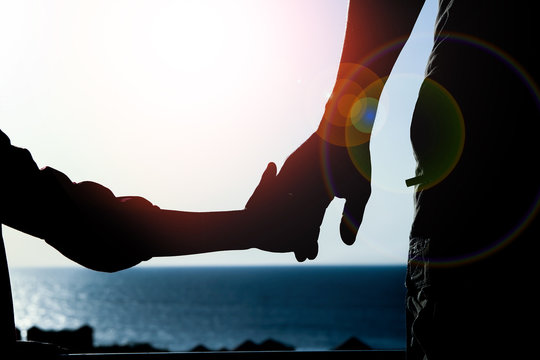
{"x": 353, "y": 213}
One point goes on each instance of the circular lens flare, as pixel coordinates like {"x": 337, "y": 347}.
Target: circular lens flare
{"x": 350, "y": 129}
{"x": 449, "y": 156}
{"x": 362, "y": 114}
{"x": 350, "y": 111}
{"x": 437, "y": 113}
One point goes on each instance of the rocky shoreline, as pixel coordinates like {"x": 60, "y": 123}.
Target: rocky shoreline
{"x": 81, "y": 340}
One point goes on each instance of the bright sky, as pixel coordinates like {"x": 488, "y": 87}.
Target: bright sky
{"x": 185, "y": 102}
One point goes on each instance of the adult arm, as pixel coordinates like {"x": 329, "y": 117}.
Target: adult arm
{"x": 335, "y": 160}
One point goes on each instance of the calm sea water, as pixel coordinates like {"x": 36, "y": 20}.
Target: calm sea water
{"x": 311, "y": 307}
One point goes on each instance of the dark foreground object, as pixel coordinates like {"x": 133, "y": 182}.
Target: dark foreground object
{"x": 241, "y": 355}
{"x": 52, "y": 352}
{"x": 78, "y": 344}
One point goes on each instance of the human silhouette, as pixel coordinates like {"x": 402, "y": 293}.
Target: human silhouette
{"x": 474, "y": 132}
{"x": 87, "y": 223}
{"x": 471, "y": 269}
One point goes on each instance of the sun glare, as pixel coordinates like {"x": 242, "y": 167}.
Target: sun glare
{"x": 182, "y": 102}
{"x": 190, "y": 40}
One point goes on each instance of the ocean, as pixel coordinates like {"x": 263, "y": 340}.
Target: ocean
{"x": 178, "y": 308}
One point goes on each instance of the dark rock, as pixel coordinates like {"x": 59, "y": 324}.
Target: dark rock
{"x": 267, "y": 345}
{"x": 247, "y": 345}
{"x": 130, "y": 348}
{"x": 353, "y": 344}
{"x": 273, "y": 345}
{"x": 78, "y": 340}
{"x": 200, "y": 348}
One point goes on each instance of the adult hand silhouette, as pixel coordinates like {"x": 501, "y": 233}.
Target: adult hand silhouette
{"x": 317, "y": 172}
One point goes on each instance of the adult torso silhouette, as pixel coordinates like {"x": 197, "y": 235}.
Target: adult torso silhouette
{"x": 474, "y": 231}
{"x": 479, "y": 58}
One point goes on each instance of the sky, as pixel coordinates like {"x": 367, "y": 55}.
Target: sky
{"x": 186, "y": 102}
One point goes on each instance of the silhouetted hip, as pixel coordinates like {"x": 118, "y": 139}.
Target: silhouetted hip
{"x": 475, "y": 135}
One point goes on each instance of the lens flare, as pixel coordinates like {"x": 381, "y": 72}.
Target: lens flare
{"x": 350, "y": 111}
{"x": 438, "y": 114}
{"x": 362, "y": 113}
{"x": 350, "y": 115}
{"x": 449, "y": 157}
{"x": 485, "y": 252}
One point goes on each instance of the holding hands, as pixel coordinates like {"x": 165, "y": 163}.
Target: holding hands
{"x": 291, "y": 205}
